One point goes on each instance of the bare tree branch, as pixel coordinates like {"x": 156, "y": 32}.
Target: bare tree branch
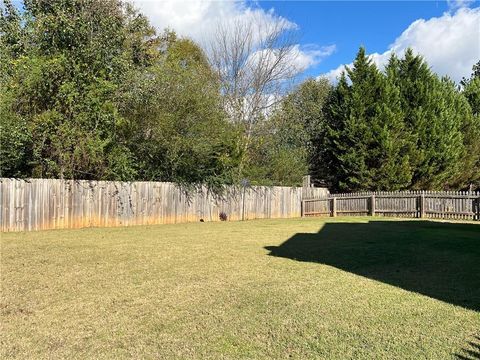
{"x": 255, "y": 62}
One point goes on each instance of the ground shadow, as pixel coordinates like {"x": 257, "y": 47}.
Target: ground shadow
{"x": 440, "y": 260}
{"x": 471, "y": 351}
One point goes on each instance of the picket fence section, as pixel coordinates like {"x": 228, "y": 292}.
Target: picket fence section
{"x": 461, "y": 205}
{"x": 40, "y": 204}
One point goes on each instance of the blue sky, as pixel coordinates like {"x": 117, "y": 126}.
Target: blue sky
{"x": 446, "y": 33}
{"x": 348, "y": 24}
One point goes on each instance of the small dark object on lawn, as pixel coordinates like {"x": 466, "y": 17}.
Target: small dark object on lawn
{"x": 201, "y": 220}
{"x": 223, "y": 216}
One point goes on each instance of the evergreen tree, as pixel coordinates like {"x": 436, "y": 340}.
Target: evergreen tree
{"x": 470, "y": 166}
{"x": 471, "y": 89}
{"x": 355, "y": 135}
{"x": 433, "y": 116}
{"x": 394, "y": 170}
{"x": 367, "y": 136}
{"x": 403, "y": 128}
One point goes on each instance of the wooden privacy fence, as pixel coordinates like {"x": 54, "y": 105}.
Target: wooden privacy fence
{"x": 421, "y": 204}
{"x": 39, "y": 204}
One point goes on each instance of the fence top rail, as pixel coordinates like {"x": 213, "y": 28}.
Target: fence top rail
{"x": 318, "y": 190}
{"x": 352, "y": 197}
{"x": 432, "y": 196}
{"x": 317, "y": 199}
{"x": 412, "y": 192}
{"x": 426, "y": 195}
{"x": 330, "y": 197}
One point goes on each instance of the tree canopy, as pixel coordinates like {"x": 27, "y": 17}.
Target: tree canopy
{"x": 401, "y": 128}
{"x": 90, "y": 90}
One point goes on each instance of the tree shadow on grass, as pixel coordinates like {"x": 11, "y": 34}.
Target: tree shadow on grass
{"x": 471, "y": 351}
{"x": 439, "y": 260}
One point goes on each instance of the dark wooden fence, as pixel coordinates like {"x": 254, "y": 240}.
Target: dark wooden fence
{"x": 414, "y": 204}
{"x": 39, "y": 204}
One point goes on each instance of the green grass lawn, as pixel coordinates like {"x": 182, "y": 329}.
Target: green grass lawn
{"x": 345, "y": 288}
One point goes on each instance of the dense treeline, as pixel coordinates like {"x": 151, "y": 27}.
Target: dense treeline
{"x": 403, "y": 128}
{"x": 89, "y": 90}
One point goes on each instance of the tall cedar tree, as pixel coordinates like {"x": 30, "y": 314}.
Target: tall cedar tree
{"x": 400, "y": 129}
{"x": 434, "y": 115}
{"x": 471, "y": 129}
{"x": 367, "y": 139}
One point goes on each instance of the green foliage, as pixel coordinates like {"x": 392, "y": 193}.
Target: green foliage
{"x": 400, "y": 129}
{"x": 286, "y": 146}
{"x": 367, "y": 144}
{"x": 15, "y": 144}
{"x": 63, "y": 80}
{"x": 471, "y": 130}
{"x": 434, "y": 112}
{"x": 184, "y": 137}
{"x": 90, "y": 91}
{"x": 471, "y": 91}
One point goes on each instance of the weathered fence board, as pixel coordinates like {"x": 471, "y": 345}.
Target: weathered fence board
{"x": 38, "y": 204}
{"x": 422, "y": 204}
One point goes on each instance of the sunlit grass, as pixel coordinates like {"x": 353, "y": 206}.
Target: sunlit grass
{"x": 211, "y": 290}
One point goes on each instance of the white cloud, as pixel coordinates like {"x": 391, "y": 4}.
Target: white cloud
{"x": 198, "y": 19}
{"x": 299, "y": 57}
{"x": 449, "y": 43}
{"x": 457, "y": 4}
{"x": 311, "y": 55}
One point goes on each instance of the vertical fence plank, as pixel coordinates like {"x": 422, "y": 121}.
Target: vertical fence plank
{"x": 422, "y": 205}
{"x": 372, "y": 205}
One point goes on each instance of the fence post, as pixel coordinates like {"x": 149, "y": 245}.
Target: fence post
{"x": 334, "y": 206}
{"x": 302, "y": 208}
{"x": 422, "y": 205}
{"x": 372, "y": 205}
{"x": 478, "y": 208}
{"x": 307, "y": 181}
